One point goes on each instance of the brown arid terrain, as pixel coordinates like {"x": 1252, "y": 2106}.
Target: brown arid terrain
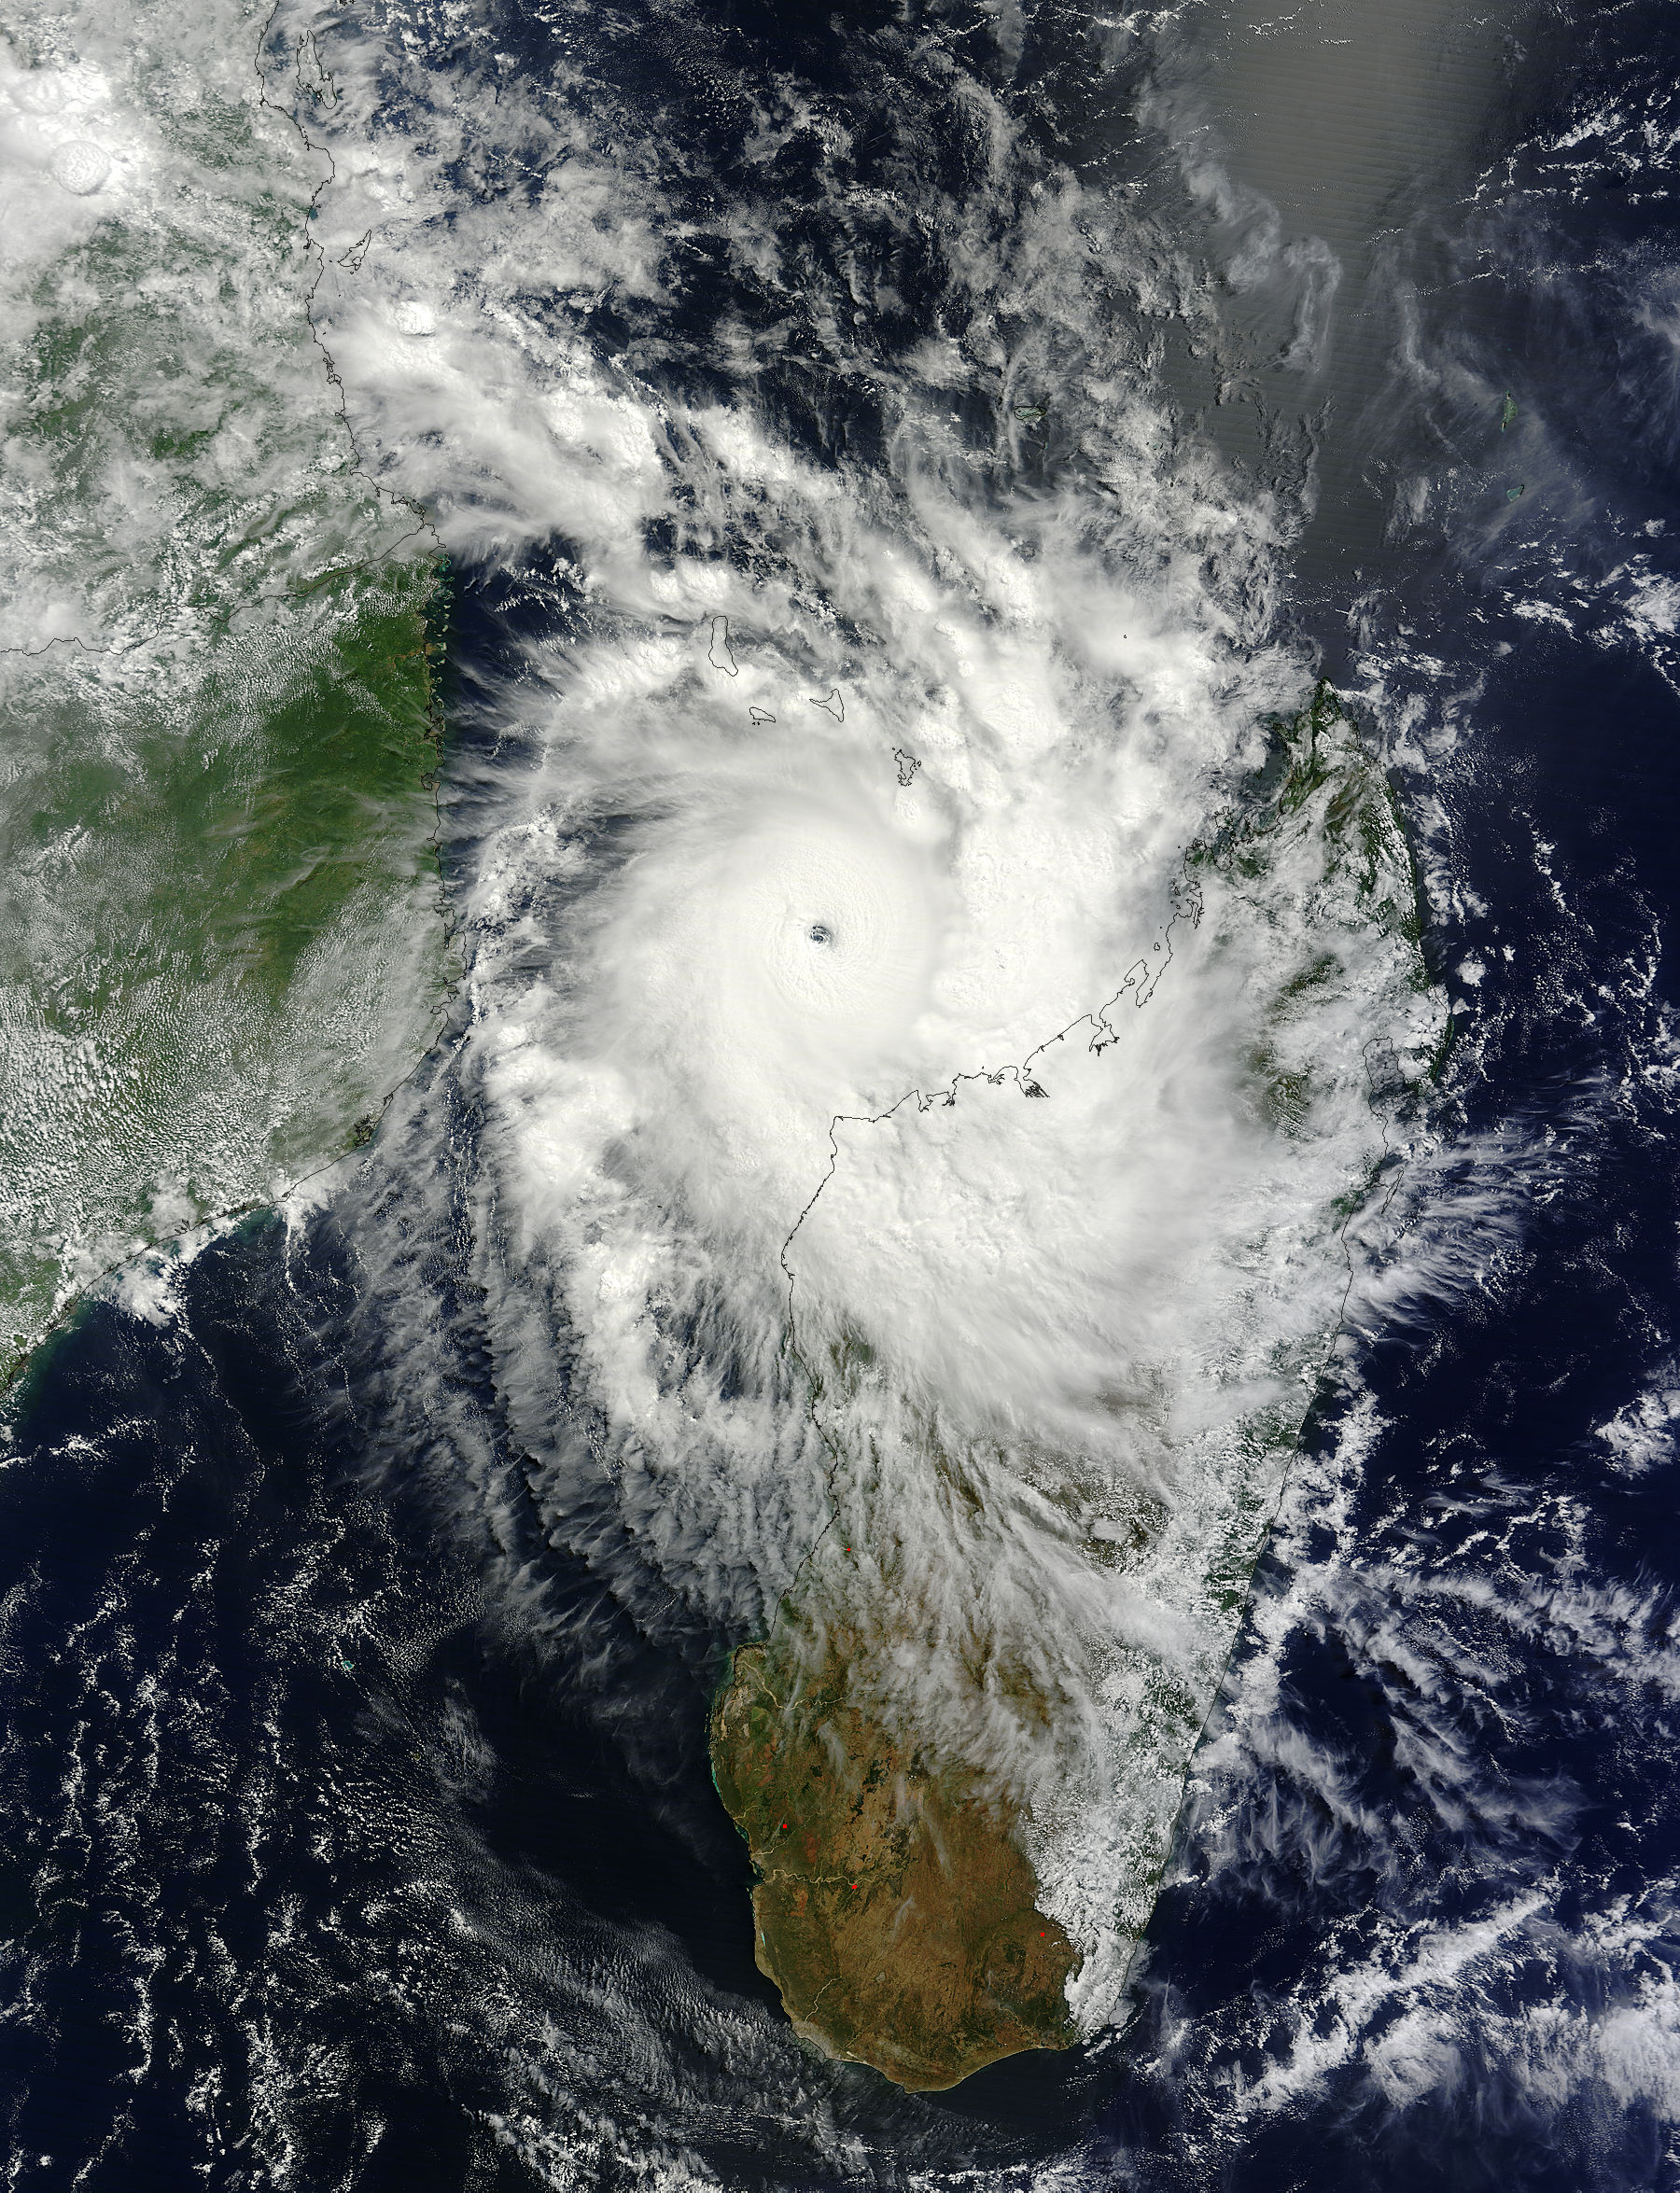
{"x": 893, "y": 1908}
{"x": 930, "y": 1684}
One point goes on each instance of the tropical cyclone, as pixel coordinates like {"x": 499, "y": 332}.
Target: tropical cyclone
{"x": 873, "y": 1279}
{"x": 958, "y": 1755}
{"x": 932, "y": 1215}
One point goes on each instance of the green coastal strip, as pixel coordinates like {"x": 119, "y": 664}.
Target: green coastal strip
{"x": 221, "y": 933}
{"x": 222, "y": 940}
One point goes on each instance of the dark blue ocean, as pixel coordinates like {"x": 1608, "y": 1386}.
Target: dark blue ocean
{"x": 355, "y": 1835}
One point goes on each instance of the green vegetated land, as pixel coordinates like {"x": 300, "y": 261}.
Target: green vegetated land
{"x": 221, "y": 938}
{"x": 894, "y": 1906}
{"x": 221, "y": 932}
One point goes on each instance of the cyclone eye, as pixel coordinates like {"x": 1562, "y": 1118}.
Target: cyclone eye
{"x": 821, "y": 933}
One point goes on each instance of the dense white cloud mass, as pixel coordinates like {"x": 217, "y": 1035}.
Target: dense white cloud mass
{"x": 906, "y": 1109}
{"x": 935, "y": 1077}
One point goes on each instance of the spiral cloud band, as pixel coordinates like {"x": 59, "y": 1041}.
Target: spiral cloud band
{"x": 931, "y": 1035}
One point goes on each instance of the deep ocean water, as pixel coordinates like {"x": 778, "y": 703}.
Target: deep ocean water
{"x": 357, "y": 1826}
